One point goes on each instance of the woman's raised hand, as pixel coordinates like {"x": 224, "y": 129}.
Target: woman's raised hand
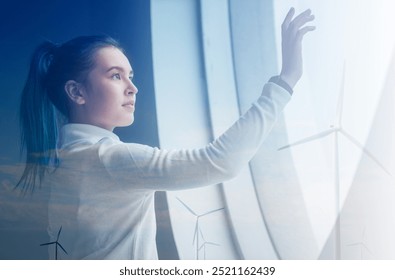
{"x": 292, "y": 33}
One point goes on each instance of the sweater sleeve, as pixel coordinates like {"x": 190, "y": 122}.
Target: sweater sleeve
{"x": 143, "y": 167}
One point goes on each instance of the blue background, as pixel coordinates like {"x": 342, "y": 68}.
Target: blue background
{"x": 25, "y": 24}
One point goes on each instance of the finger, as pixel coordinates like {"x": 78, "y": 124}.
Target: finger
{"x": 302, "y": 18}
{"x": 288, "y": 18}
{"x": 303, "y": 21}
{"x": 303, "y": 31}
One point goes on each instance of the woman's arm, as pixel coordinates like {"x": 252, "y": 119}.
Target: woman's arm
{"x": 141, "y": 166}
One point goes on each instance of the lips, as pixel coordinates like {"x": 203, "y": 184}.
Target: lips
{"x": 129, "y": 106}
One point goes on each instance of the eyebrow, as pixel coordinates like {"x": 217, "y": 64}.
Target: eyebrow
{"x": 119, "y": 69}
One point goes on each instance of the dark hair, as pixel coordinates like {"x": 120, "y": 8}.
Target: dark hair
{"x": 43, "y": 97}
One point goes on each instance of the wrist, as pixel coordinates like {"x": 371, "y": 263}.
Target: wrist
{"x": 280, "y": 81}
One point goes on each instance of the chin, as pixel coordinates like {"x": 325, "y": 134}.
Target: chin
{"x": 127, "y": 123}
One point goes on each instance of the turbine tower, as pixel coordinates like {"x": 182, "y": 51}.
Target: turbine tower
{"x": 336, "y": 129}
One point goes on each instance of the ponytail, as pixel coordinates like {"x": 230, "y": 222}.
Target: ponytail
{"x": 38, "y": 120}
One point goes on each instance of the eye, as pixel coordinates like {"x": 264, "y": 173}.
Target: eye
{"x": 131, "y": 78}
{"x": 116, "y": 76}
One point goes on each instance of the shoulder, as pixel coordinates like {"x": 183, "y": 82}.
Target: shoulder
{"x": 120, "y": 154}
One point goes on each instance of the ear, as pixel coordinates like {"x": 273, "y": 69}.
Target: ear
{"x": 74, "y": 92}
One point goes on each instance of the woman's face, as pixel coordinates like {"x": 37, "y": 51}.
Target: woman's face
{"x": 110, "y": 95}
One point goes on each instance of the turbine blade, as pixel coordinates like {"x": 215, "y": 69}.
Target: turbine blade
{"x": 203, "y": 245}
{"x": 187, "y": 207}
{"x": 367, "y": 249}
{"x": 201, "y": 234}
{"x": 339, "y": 109}
{"x": 310, "y": 138}
{"x": 60, "y": 230}
{"x": 212, "y": 243}
{"x": 212, "y": 211}
{"x": 62, "y": 248}
{"x": 49, "y": 243}
{"x": 196, "y": 232}
{"x": 355, "y": 244}
{"x": 359, "y": 145}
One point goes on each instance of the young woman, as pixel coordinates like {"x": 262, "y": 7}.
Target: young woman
{"x": 102, "y": 190}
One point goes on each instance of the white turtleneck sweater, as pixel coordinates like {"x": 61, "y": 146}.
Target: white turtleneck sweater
{"x": 102, "y": 194}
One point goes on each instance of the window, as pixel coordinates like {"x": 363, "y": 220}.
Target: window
{"x": 211, "y": 59}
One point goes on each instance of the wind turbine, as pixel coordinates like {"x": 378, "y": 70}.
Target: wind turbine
{"x": 56, "y": 244}
{"x": 362, "y": 245}
{"x": 197, "y": 225}
{"x": 204, "y": 245}
{"x": 336, "y": 129}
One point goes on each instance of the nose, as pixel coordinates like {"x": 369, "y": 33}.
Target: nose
{"x": 132, "y": 89}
